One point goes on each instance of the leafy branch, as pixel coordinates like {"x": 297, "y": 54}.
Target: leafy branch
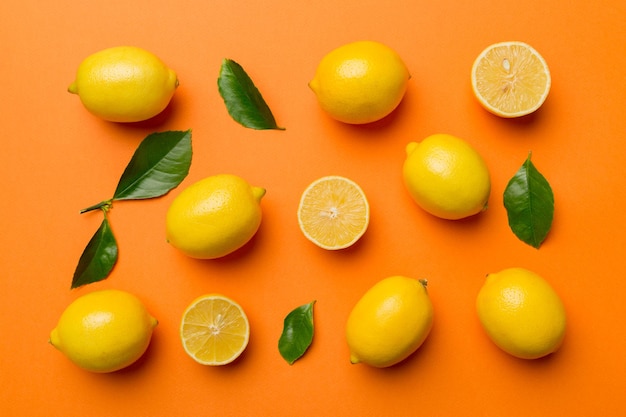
{"x": 159, "y": 164}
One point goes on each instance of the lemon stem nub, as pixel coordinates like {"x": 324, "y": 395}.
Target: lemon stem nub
{"x": 73, "y": 88}
{"x": 258, "y": 193}
{"x": 103, "y": 205}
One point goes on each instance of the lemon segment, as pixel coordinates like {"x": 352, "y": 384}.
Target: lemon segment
{"x": 446, "y": 177}
{"x": 390, "y": 322}
{"x": 360, "y": 82}
{"x": 214, "y": 330}
{"x": 124, "y": 84}
{"x": 510, "y": 79}
{"x": 104, "y": 331}
{"x": 214, "y": 216}
{"x": 521, "y": 313}
{"x": 333, "y": 212}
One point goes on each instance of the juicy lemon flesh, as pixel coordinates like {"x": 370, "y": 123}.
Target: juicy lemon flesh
{"x": 104, "y": 331}
{"x": 390, "y": 322}
{"x": 511, "y": 79}
{"x": 333, "y": 212}
{"x": 521, "y": 313}
{"x": 214, "y": 216}
{"x": 447, "y": 177}
{"x": 360, "y": 82}
{"x": 124, "y": 84}
{"x": 214, "y": 330}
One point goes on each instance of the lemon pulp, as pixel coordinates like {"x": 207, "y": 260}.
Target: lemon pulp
{"x": 214, "y": 330}
{"x": 510, "y": 79}
{"x": 333, "y": 212}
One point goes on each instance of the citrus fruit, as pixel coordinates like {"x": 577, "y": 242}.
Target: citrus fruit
{"x": 124, "y": 84}
{"x": 521, "y": 313}
{"x": 510, "y": 79}
{"x": 214, "y": 330}
{"x": 104, "y": 331}
{"x": 360, "y": 82}
{"x": 214, "y": 216}
{"x": 390, "y": 322}
{"x": 446, "y": 177}
{"x": 333, "y": 212}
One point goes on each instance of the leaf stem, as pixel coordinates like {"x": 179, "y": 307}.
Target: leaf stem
{"x": 103, "y": 205}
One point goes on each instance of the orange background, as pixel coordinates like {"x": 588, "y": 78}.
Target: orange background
{"x": 57, "y": 159}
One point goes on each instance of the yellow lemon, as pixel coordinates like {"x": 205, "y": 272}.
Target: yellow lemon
{"x": 510, "y": 79}
{"x": 214, "y": 330}
{"x": 333, "y": 212}
{"x": 104, "y": 331}
{"x": 390, "y": 322}
{"x": 360, "y": 82}
{"x": 214, "y": 216}
{"x": 447, "y": 177}
{"x": 124, "y": 84}
{"x": 521, "y": 313}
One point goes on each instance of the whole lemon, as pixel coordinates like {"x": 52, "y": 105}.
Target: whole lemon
{"x": 446, "y": 177}
{"x": 390, "y": 322}
{"x": 104, "y": 331}
{"x": 214, "y": 216}
{"x": 360, "y": 82}
{"x": 124, "y": 84}
{"x": 521, "y": 313}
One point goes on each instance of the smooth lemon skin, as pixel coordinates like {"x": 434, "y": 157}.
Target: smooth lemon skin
{"x": 214, "y": 216}
{"x": 124, "y": 84}
{"x": 390, "y": 322}
{"x": 521, "y": 313}
{"x": 360, "y": 82}
{"x": 446, "y": 177}
{"x": 104, "y": 331}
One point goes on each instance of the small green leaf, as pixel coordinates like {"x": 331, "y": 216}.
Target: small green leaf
{"x": 159, "y": 164}
{"x": 297, "y": 333}
{"x": 98, "y": 258}
{"x": 244, "y": 102}
{"x": 529, "y": 203}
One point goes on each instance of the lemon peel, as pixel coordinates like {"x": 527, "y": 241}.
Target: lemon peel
{"x": 104, "y": 331}
{"x": 521, "y": 313}
{"x": 124, "y": 84}
{"x": 214, "y": 216}
{"x": 446, "y": 177}
{"x": 360, "y": 82}
{"x": 390, "y": 322}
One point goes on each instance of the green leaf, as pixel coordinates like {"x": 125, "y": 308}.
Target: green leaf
{"x": 297, "y": 333}
{"x": 243, "y": 100}
{"x": 98, "y": 258}
{"x": 529, "y": 203}
{"x": 159, "y": 164}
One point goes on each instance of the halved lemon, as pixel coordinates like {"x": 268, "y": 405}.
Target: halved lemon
{"x": 214, "y": 330}
{"x": 333, "y": 212}
{"x": 510, "y": 79}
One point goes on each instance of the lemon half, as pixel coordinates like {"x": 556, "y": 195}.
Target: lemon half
{"x": 510, "y": 79}
{"x": 214, "y": 330}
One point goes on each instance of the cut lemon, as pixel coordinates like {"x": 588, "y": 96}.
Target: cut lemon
{"x": 510, "y": 79}
{"x": 333, "y": 212}
{"x": 214, "y": 330}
